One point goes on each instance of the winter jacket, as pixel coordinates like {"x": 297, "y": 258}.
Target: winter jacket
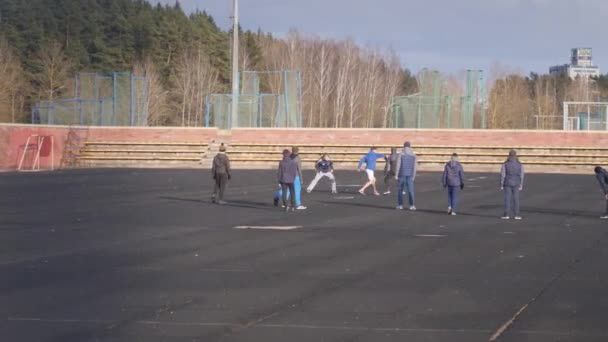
{"x": 221, "y": 165}
{"x": 298, "y": 161}
{"x": 406, "y": 165}
{"x": 324, "y": 166}
{"x": 602, "y": 178}
{"x": 370, "y": 160}
{"x": 453, "y": 174}
{"x": 288, "y": 171}
{"x": 391, "y": 163}
{"x": 512, "y": 173}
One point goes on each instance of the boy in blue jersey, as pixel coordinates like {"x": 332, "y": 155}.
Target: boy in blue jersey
{"x": 370, "y": 168}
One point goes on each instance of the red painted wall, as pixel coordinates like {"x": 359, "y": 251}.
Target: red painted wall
{"x": 396, "y": 137}
{"x": 14, "y": 137}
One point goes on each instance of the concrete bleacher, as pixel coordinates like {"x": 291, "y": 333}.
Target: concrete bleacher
{"x": 255, "y": 155}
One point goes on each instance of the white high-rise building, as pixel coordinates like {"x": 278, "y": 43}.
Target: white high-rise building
{"x": 581, "y": 64}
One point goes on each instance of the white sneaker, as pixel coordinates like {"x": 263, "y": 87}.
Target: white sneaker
{"x": 605, "y": 217}
{"x": 505, "y": 217}
{"x": 301, "y": 208}
{"x": 518, "y": 218}
{"x": 453, "y": 213}
{"x": 449, "y": 210}
{"x": 387, "y": 192}
{"x": 399, "y": 207}
{"x": 334, "y": 192}
{"x": 412, "y": 208}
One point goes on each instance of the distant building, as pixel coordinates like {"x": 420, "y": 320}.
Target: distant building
{"x": 581, "y": 64}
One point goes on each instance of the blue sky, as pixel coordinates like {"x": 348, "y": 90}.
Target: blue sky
{"x": 448, "y": 35}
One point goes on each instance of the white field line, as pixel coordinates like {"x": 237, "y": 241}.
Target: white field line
{"x": 269, "y": 227}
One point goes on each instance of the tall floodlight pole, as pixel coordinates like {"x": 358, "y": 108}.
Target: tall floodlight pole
{"x": 235, "y": 66}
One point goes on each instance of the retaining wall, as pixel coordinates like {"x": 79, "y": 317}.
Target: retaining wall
{"x": 13, "y": 138}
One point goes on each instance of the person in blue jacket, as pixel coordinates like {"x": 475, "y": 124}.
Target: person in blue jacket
{"x": 370, "y": 169}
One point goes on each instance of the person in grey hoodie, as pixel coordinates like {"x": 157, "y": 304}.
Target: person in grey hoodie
{"x": 287, "y": 174}
{"x": 389, "y": 169}
{"x": 406, "y": 175}
{"x": 602, "y": 177}
{"x": 512, "y": 182}
{"x": 453, "y": 181}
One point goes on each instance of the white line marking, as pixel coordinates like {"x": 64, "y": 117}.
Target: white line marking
{"x": 269, "y": 227}
{"x": 303, "y": 326}
{"x": 507, "y": 324}
{"x": 430, "y": 235}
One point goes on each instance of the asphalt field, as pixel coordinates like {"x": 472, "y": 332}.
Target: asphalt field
{"x": 142, "y": 255}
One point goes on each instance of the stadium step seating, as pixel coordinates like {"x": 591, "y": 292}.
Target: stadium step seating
{"x": 252, "y": 155}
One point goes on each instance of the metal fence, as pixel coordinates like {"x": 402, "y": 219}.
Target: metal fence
{"x": 113, "y": 99}
{"x": 442, "y": 103}
{"x": 266, "y": 99}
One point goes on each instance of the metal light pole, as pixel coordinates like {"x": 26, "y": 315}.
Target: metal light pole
{"x": 235, "y": 67}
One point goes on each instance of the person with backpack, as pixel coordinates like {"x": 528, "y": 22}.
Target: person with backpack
{"x": 453, "y": 181}
{"x": 406, "y": 175}
{"x": 325, "y": 168}
{"x": 287, "y": 174}
{"x": 512, "y": 183}
{"x": 370, "y": 160}
{"x": 220, "y": 170}
{"x": 601, "y": 175}
{"x": 389, "y": 169}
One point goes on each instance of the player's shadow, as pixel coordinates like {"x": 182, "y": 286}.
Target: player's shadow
{"x": 547, "y": 211}
{"x": 231, "y": 203}
{"x": 383, "y": 207}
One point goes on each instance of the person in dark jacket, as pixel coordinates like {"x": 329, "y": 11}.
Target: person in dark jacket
{"x": 407, "y": 165}
{"x": 287, "y": 174}
{"x": 220, "y": 170}
{"x": 325, "y": 168}
{"x": 453, "y": 181}
{"x": 512, "y": 183}
{"x": 602, "y": 177}
{"x": 389, "y": 169}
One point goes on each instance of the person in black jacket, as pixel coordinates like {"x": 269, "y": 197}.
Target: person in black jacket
{"x": 325, "y": 168}
{"x": 602, "y": 177}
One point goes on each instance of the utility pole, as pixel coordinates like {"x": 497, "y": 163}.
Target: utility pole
{"x": 235, "y": 67}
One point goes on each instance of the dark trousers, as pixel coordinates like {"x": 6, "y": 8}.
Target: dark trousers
{"x": 292, "y": 190}
{"x": 220, "y": 186}
{"x": 388, "y": 179}
{"x": 511, "y": 200}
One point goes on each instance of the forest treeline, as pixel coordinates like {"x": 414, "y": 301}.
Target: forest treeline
{"x": 43, "y": 43}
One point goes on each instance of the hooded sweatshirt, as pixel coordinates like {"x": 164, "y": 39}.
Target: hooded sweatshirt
{"x": 296, "y": 158}
{"x": 406, "y": 165}
{"x": 370, "y": 160}
{"x": 391, "y": 163}
{"x": 453, "y": 173}
{"x": 288, "y": 170}
{"x": 512, "y": 173}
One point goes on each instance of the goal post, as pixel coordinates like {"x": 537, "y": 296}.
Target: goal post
{"x": 36, "y": 147}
